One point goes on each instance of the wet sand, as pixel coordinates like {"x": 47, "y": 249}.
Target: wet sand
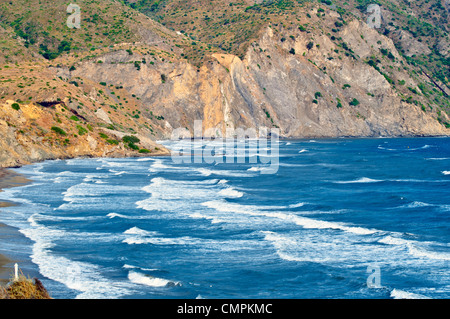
{"x": 8, "y": 179}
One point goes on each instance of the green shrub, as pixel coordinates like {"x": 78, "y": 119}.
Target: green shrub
{"x": 133, "y": 146}
{"x": 81, "y": 130}
{"x": 317, "y": 95}
{"x": 103, "y": 135}
{"x": 112, "y": 141}
{"x": 58, "y": 130}
{"x": 15, "y": 106}
{"x": 354, "y": 102}
{"x": 74, "y": 118}
{"x": 144, "y": 151}
{"x": 130, "y": 139}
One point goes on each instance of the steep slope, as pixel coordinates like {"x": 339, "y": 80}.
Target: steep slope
{"x": 330, "y": 77}
{"x": 43, "y": 115}
{"x": 308, "y": 69}
{"x": 419, "y": 28}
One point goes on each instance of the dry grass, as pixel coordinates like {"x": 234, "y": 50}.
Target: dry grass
{"x": 24, "y": 288}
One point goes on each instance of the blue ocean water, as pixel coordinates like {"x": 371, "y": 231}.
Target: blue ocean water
{"x": 335, "y": 211}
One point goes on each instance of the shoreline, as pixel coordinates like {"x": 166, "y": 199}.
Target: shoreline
{"x": 4, "y": 169}
{"x": 8, "y": 179}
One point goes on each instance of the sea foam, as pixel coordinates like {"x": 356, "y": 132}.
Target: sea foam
{"x": 142, "y": 279}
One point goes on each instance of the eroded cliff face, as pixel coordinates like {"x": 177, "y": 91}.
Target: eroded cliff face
{"x": 311, "y": 82}
{"x": 34, "y": 133}
{"x": 306, "y": 84}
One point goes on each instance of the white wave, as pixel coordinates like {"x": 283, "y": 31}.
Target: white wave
{"x": 417, "y": 204}
{"x": 390, "y": 240}
{"x": 126, "y": 266}
{"x": 230, "y": 192}
{"x": 214, "y": 220}
{"x": 303, "y": 151}
{"x": 171, "y": 195}
{"x": 298, "y": 220}
{"x": 68, "y": 173}
{"x": 142, "y": 279}
{"x": 157, "y": 204}
{"x": 401, "y": 294}
{"x": 158, "y": 165}
{"x": 360, "y": 180}
{"x": 118, "y": 173}
{"x": 139, "y": 236}
{"x": 113, "y": 164}
{"x": 261, "y": 169}
{"x": 83, "y": 190}
{"x": 296, "y": 205}
{"x": 208, "y": 172}
{"x": 140, "y": 232}
{"x": 114, "y": 215}
{"x": 405, "y": 149}
{"x": 446, "y": 172}
{"x": 59, "y": 180}
{"x": 92, "y": 177}
{"x": 315, "y": 247}
{"x": 425, "y": 253}
{"x": 142, "y": 240}
{"x": 416, "y": 248}
{"x": 83, "y": 277}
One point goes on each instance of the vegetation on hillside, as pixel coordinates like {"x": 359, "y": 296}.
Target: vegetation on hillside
{"x": 24, "y": 288}
{"x": 36, "y": 31}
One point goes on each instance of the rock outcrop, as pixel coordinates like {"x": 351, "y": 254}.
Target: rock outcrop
{"x": 327, "y": 90}
{"x": 319, "y": 75}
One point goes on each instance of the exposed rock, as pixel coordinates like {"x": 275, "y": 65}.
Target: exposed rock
{"x": 101, "y": 114}
{"x": 273, "y": 88}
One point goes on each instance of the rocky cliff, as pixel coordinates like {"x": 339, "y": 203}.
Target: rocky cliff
{"x": 344, "y": 87}
{"x": 324, "y": 74}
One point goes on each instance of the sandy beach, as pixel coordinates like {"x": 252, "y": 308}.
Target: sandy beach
{"x": 8, "y": 179}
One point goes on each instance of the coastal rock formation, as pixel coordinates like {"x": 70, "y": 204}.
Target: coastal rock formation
{"x": 30, "y": 134}
{"x": 305, "y": 70}
{"x": 304, "y": 92}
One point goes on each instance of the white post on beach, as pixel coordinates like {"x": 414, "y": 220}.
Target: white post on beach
{"x": 16, "y": 272}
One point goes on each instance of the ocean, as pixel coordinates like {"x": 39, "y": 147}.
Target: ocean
{"x": 338, "y": 218}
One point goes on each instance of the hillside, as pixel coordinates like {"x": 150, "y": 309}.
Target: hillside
{"x": 143, "y": 67}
